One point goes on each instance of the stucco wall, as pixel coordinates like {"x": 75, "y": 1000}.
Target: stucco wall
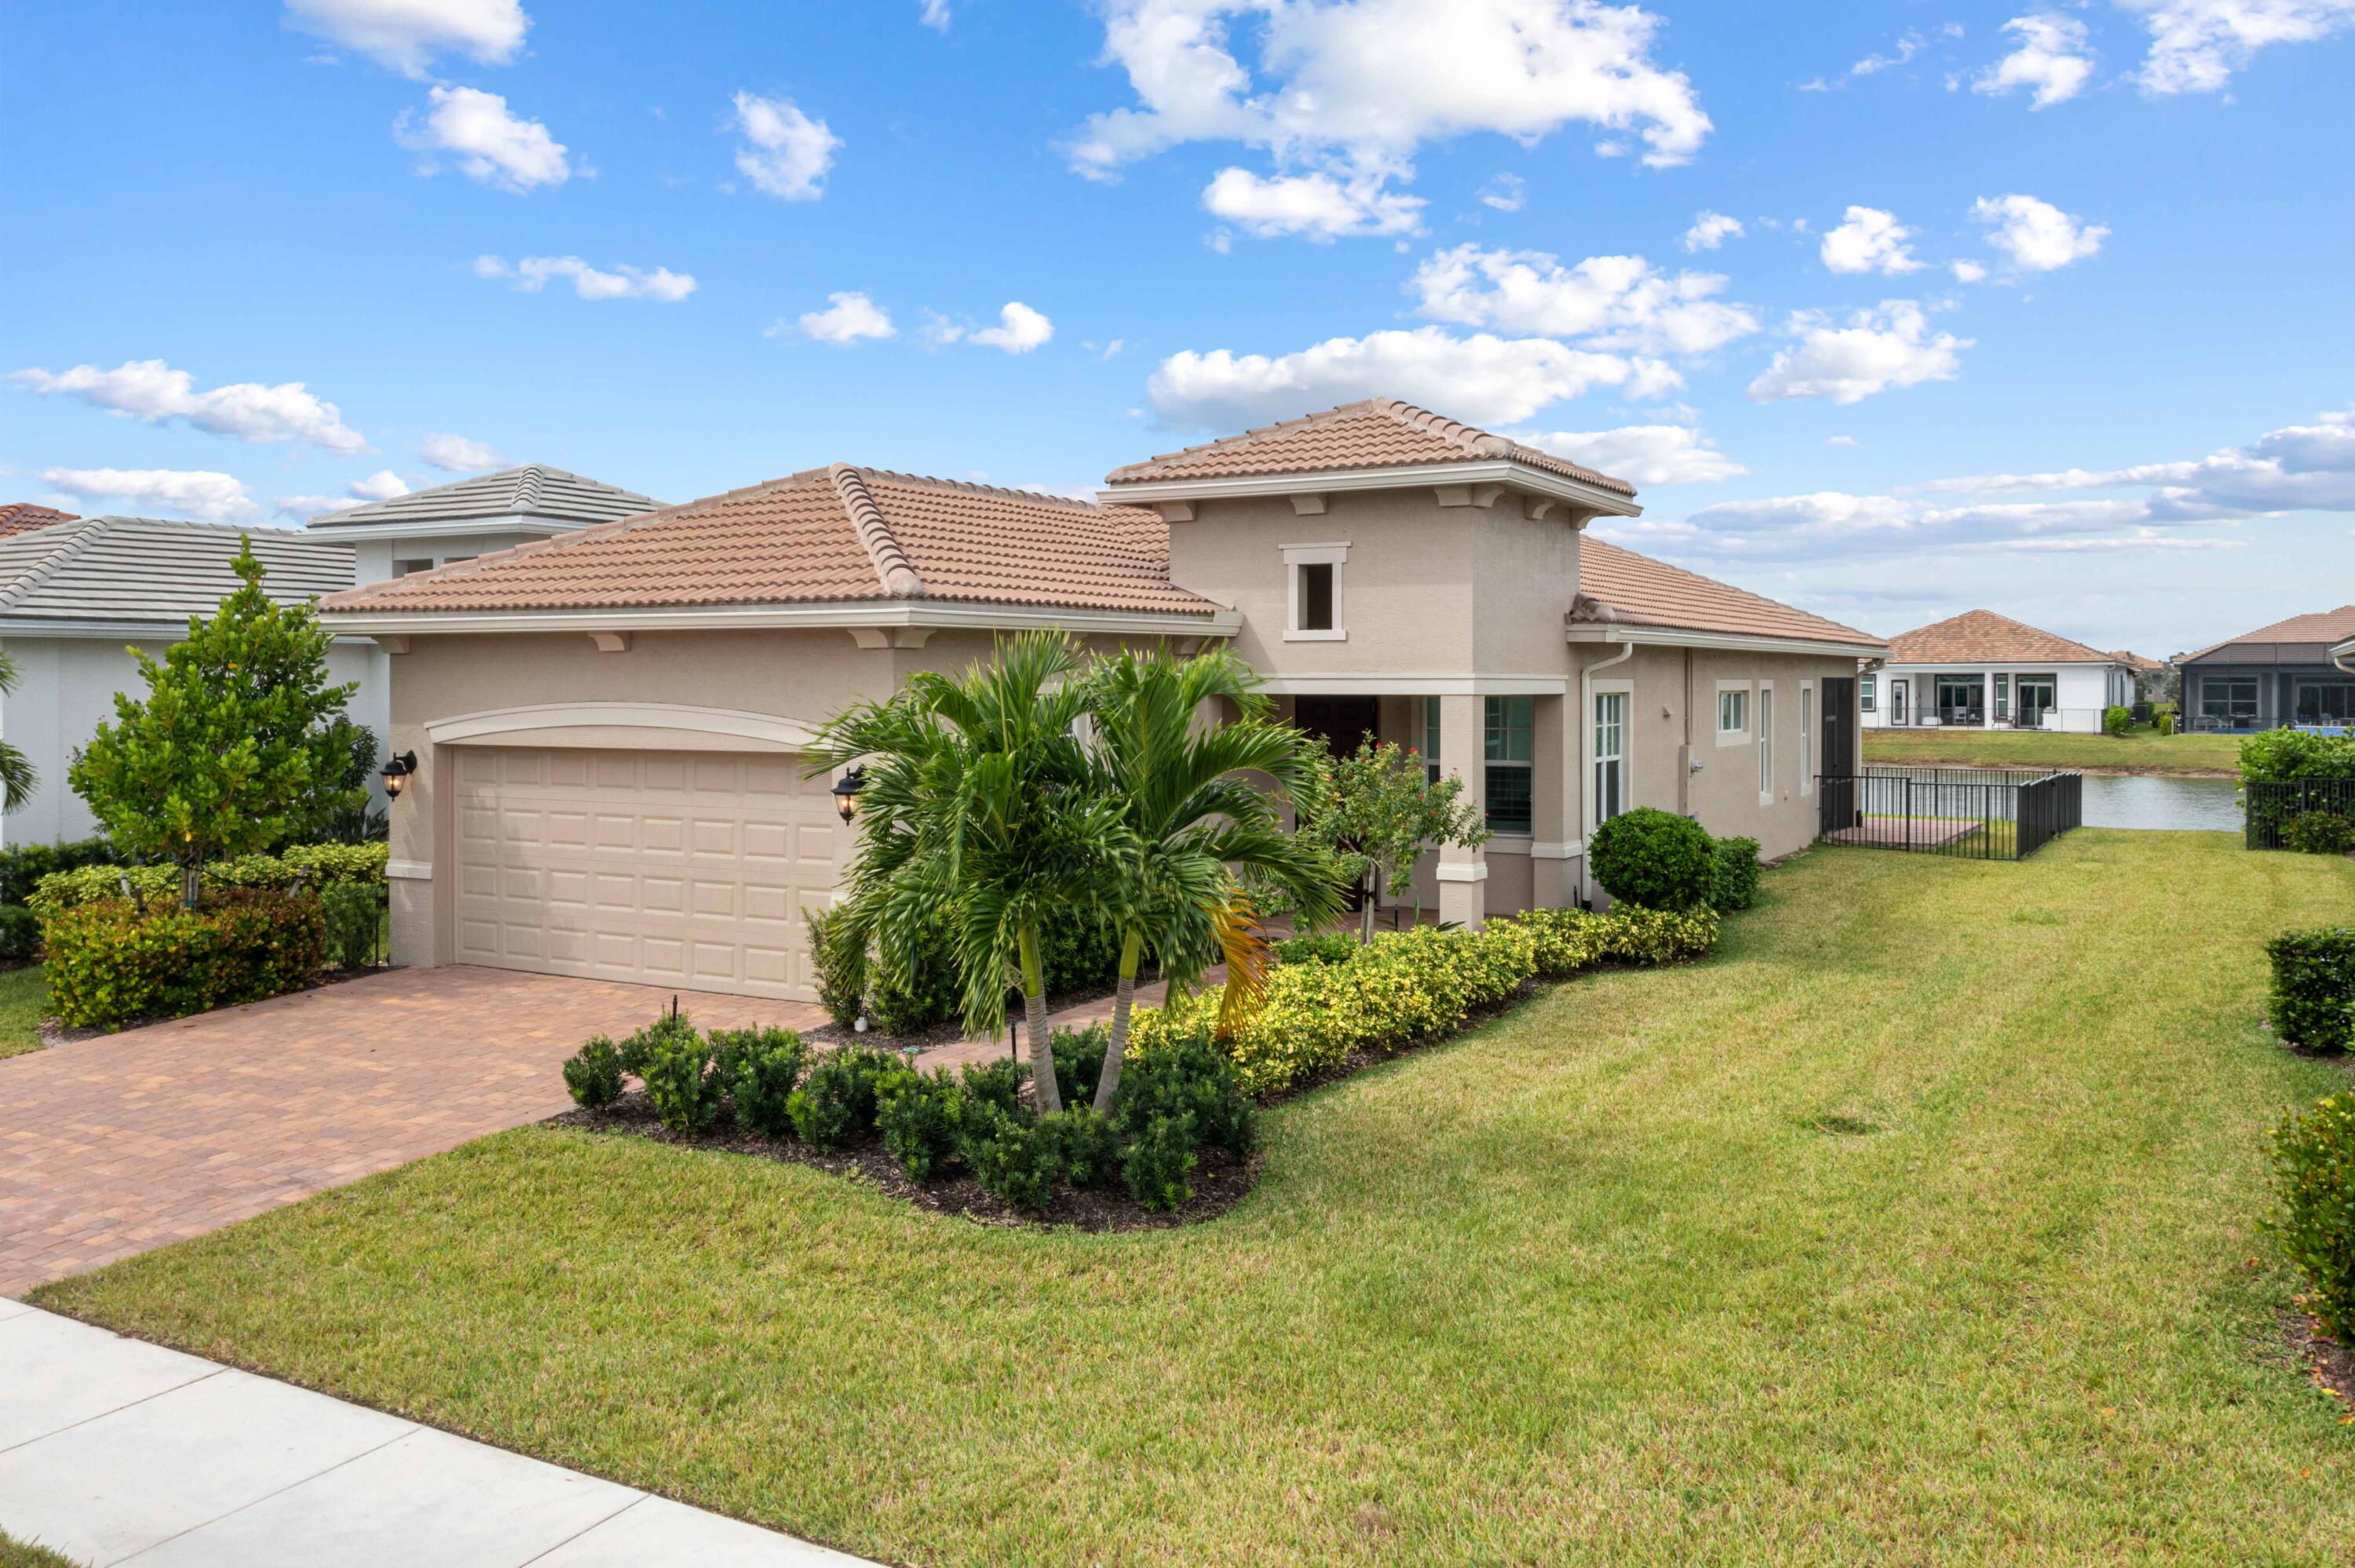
{"x": 2080, "y": 692}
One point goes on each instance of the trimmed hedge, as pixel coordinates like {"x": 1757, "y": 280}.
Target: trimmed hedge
{"x": 2313, "y": 1179}
{"x": 110, "y": 965}
{"x": 2313, "y": 999}
{"x": 1654, "y": 858}
{"x": 1733, "y": 874}
{"x": 22, "y": 867}
{"x": 1413, "y": 985}
{"x": 319, "y": 865}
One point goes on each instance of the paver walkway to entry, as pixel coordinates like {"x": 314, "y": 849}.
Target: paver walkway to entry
{"x": 112, "y": 1146}
{"x": 114, "y": 1449}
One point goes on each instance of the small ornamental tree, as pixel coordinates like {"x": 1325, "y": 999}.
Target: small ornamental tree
{"x": 1383, "y": 812}
{"x": 235, "y": 748}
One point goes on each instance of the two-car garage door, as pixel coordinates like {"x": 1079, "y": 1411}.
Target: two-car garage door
{"x": 681, "y": 868}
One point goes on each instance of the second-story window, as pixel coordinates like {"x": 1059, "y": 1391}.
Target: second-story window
{"x": 1315, "y": 592}
{"x": 1315, "y": 596}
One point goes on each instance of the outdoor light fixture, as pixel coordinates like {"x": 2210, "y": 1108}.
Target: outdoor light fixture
{"x": 397, "y": 769}
{"x": 846, "y": 794}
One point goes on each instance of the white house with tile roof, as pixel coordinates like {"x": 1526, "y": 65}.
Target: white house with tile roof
{"x": 1979, "y": 670}
{"x": 469, "y": 517}
{"x": 610, "y": 724}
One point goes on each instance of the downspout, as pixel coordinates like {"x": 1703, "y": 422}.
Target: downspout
{"x": 1585, "y": 718}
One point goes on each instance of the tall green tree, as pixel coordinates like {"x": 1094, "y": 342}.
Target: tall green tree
{"x": 234, "y": 748}
{"x": 18, "y": 778}
{"x": 981, "y": 813}
{"x": 1383, "y": 810}
{"x": 1180, "y": 773}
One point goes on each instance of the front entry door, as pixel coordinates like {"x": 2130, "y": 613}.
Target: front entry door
{"x": 1897, "y": 702}
{"x": 1840, "y": 727}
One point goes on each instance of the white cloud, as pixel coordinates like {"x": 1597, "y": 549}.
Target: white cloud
{"x": 531, "y": 274}
{"x": 381, "y": 486}
{"x": 1366, "y": 82}
{"x": 2036, "y": 235}
{"x": 935, "y": 13}
{"x": 1617, "y": 302}
{"x": 1879, "y": 349}
{"x": 406, "y": 34}
{"x": 1870, "y": 241}
{"x": 1968, "y": 272}
{"x": 1711, "y": 229}
{"x": 785, "y": 154}
{"x": 456, "y": 454}
{"x": 1642, "y": 454}
{"x": 185, "y": 492}
{"x": 1484, "y": 378}
{"x": 2053, "y": 57}
{"x": 1506, "y": 193}
{"x": 1842, "y": 441}
{"x": 491, "y": 144}
{"x": 849, "y": 318}
{"x": 2298, "y": 468}
{"x": 2197, "y": 45}
{"x": 150, "y": 390}
{"x": 1019, "y": 330}
{"x": 1317, "y": 205}
{"x": 1911, "y": 44}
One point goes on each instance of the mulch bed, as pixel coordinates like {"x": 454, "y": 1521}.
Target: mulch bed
{"x": 2329, "y": 1365}
{"x": 1220, "y": 1180}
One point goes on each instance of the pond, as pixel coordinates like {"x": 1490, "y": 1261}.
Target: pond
{"x": 2143, "y": 801}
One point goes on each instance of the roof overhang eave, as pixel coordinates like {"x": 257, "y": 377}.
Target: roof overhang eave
{"x": 362, "y": 622}
{"x": 170, "y": 630}
{"x": 1495, "y": 470}
{"x": 322, "y": 531}
{"x": 1642, "y": 636}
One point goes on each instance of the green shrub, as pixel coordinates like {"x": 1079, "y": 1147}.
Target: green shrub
{"x": 2167, "y": 724}
{"x": 2319, "y": 832}
{"x": 593, "y": 1074}
{"x": 2117, "y": 720}
{"x": 1733, "y": 874}
{"x": 675, "y": 1061}
{"x": 761, "y": 1067}
{"x": 109, "y": 964}
{"x": 931, "y": 993}
{"x": 1654, "y": 858}
{"x": 920, "y": 1118}
{"x": 354, "y": 913}
{"x": 2314, "y": 1179}
{"x": 318, "y": 865}
{"x": 1157, "y": 1159}
{"x": 2313, "y": 987}
{"x": 667, "y": 1029}
{"x": 1077, "y": 951}
{"x": 1316, "y": 947}
{"x": 1078, "y": 1061}
{"x": 1087, "y": 1146}
{"x": 20, "y": 934}
{"x": 841, "y": 969}
{"x": 1013, "y": 1158}
{"x": 1570, "y": 941}
{"x": 1649, "y": 937}
{"x": 23, "y": 865}
{"x": 2283, "y": 754}
{"x": 837, "y": 1102}
{"x": 1189, "y": 1078}
{"x": 998, "y": 1083}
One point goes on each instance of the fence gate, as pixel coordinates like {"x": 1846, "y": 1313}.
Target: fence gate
{"x": 1971, "y": 814}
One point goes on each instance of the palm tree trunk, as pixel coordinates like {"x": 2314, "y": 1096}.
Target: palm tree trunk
{"x": 1043, "y": 1092}
{"x": 1123, "y": 1001}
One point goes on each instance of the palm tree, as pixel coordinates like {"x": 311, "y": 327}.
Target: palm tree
{"x": 1193, "y": 821}
{"x": 17, "y": 779}
{"x": 981, "y": 812}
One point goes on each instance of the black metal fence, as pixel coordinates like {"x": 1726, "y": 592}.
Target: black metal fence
{"x": 1973, "y": 813}
{"x": 2272, "y": 804}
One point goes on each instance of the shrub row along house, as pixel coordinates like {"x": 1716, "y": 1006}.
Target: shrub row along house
{"x": 608, "y": 726}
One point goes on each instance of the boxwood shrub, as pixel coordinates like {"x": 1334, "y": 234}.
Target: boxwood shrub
{"x": 2314, "y": 1176}
{"x": 1734, "y": 872}
{"x": 1654, "y": 858}
{"x": 109, "y": 964}
{"x": 2313, "y": 999}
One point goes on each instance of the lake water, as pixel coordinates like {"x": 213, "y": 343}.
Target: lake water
{"x": 2139, "y": 800}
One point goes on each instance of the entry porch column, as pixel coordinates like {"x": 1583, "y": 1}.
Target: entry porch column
{"x": 1463, "y": 751}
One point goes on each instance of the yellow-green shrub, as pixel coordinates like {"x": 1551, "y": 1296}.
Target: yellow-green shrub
{"x": 319, "y": 865}
{"x": 108, "y": 964}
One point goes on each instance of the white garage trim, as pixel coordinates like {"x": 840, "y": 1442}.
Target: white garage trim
{"x": 667, "y": 727}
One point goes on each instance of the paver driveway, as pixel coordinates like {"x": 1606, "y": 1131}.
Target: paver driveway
{"x": 112, "y": 1146}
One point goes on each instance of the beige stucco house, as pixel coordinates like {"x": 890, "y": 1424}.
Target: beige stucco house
{"x": 608, "y": 724}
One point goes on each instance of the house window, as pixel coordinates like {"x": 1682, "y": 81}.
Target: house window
{"x": 2230, "y": 700}
{"x": 1314, "y": 571}
{"x": 403, "y": 568}
{"x": 1510, "y": 724}
{"x": 1733, "y": 711}
{"x": 1610, "y": 755}
{"x": 1806, "y": 739}
{"x": 1866, "y": 690}
{"x": 2325, "y": 701}
{"x": 1958, "y": 698}
{"x": 1431, "y": 738}
{"x": 1766, "y": 743}
{"x": 2003, "y": 696}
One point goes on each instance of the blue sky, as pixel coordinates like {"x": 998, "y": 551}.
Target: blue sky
{"x": 2043, "y": 309}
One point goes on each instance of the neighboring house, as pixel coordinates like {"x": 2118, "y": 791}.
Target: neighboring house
{"x": 609, "y": 725}
{"x": 2150, "y": 675}
{"x": 2279, "y": 675}
{"x": 469, "y": 517}
{"x": 77, "y": 596}
{"x": 1983, "y": 671}
{"x": 23, "y": 517}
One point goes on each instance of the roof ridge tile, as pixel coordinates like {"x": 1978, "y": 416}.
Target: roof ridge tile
{"x": 892, "y": 568}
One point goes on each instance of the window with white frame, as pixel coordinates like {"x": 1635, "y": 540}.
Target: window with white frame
{"x": 1732, "y": 713}
{"x": 1765, "y": 742}
{"x": 1510, "y": 750}
{"x": 1315, "y": 575}
{"x": 1610, "y": 755}
{"x": 1431, "y": 738}
{"x": 1807, "y": 737}
{"x": 1865, "y": 692}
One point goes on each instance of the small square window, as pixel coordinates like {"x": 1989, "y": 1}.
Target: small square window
{"x": 403, "y": 568}
{"x": 1315, "y": 596}
{"x": 1732, "y": 712}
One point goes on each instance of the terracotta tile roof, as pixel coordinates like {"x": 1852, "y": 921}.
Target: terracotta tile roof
{"x": 1618, "y": 587}
{"x": 830, "y": 535}
{"x": 2323, "y": 628}
{"x": 23, "y": 517}
{"x": 1981, "y": 636}
{"x": 1379, "y": 433}
{"x": 2134, "y": 660}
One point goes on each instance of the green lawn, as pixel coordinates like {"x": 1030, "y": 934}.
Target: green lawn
{"x": 15, "y": 1553}
{"x": 24, "y": 1003}
{"x": 2143, "y": 751}
{"x": 1915, "y": 1228}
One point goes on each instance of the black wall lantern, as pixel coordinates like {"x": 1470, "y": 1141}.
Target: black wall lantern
{"x": 846, "y": 794}
{"x": 397, "y": 769}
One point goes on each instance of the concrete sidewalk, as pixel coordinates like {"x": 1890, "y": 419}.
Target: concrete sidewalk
{"x": 113, "y": 1450}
